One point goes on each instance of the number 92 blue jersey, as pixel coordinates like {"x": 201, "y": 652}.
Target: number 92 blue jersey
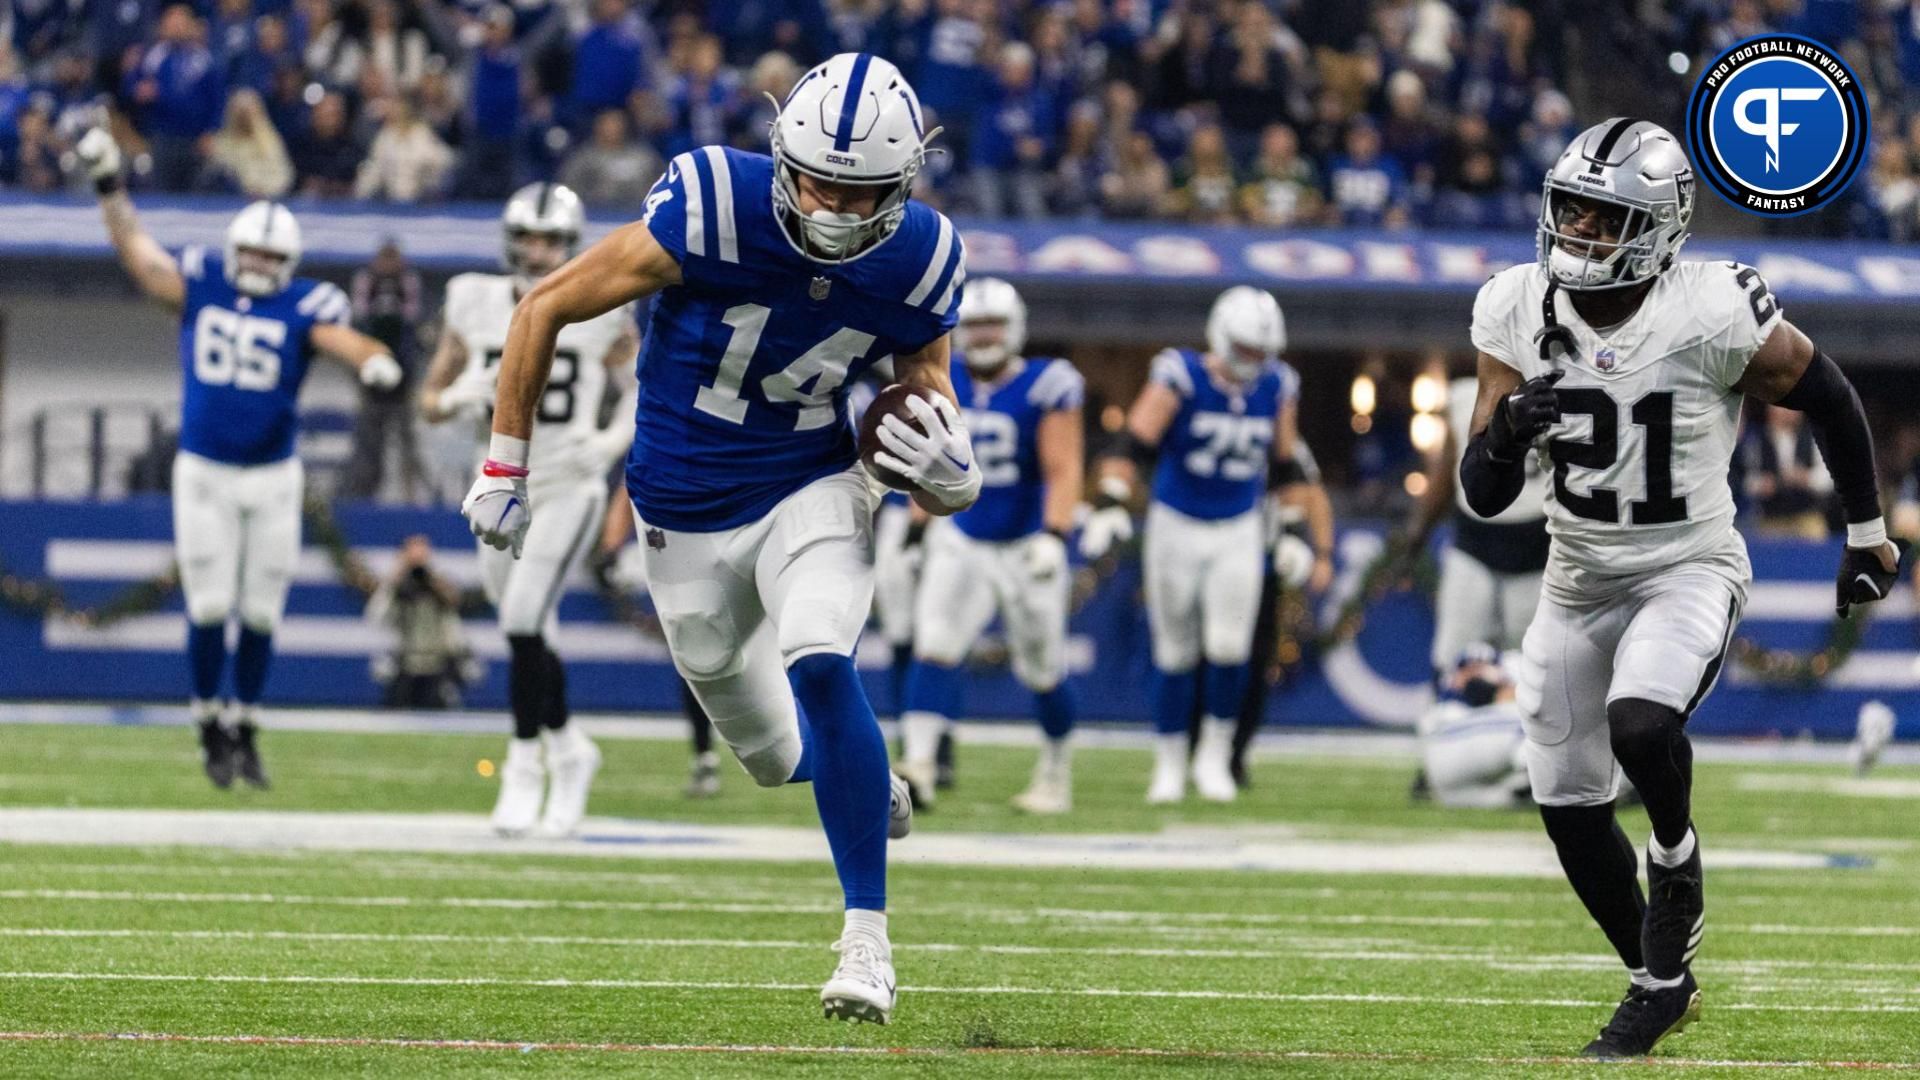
{"x": 1213, "y": 459}
{"x": 242, "y": 361}
{"x": 1003, "y": 420}
{"x": 747, "y": 360}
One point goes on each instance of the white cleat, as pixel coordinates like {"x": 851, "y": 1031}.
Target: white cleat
{"x": 1871, "y": 735}
{"x": 862, "y": 987}
{"x": 523, "y": 782}
{"x": 899, "y": 811}
{"x": 572, "y": 771}
{"x": 1212, "y": 768}
{"x": 921, "y": 777}
{"x": 1045, "y": 798}
{"x": 1169, "y": 786}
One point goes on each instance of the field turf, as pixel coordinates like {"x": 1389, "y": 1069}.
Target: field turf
{"x": 201, "y": 961}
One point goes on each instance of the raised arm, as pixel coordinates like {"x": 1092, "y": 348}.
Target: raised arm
{"x": 144, "y": 260}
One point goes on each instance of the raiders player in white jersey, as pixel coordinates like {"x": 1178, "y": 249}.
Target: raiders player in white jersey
{"x": 1624, "y": 371}
{"x": 542, "y": 223}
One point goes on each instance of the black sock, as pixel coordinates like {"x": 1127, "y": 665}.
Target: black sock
{"x": 555, "y": 713}
{"x": 897, "y": 676}
{"x": 1650, "y": 742}
{"x": 697, "y": 720}
{"x": 526, "y": 683}
{"x": 1600, "y": 864}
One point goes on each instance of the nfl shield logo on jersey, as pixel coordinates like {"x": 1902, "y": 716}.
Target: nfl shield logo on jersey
{"x": 818, "y": 288}
{"x": 1604, "y": 358}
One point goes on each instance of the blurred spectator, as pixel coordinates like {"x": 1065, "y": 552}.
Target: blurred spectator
{"x": 327, "y": 158}
{"x": 407, "y": 161}
{"x": 1785, "y": 477}
{"x": 1283, "y": 189}
{"x": 1136, "y": 184}
{"x": 1205, "y": 187}
{"x": 493, "y": 103}
{"x": 1075, "y": 185}
{"x": 263, "y": 55}
{"x": 951, "y": 77}
{"x": 422, "y": 609}
{"x": 1364, "y": 187}
{"x": 1412, "y": 133}
{"x": 399, "y": 52}
{"x": 1889, "y": 198}
{"x": 1249, "y": 78}
{"x": 1181, "y": 52}
{"x": 701, "y": 101}
{"x": 176, "y": 92}
{"x": 608, "y": 63}
{"x": 40, "y": 28}
{"x": 1545, "y": 137}
{"x": 440, "y": 109}
{"x": 246, "y": 154}
{"x": 333, "y": 53}
{"x": 30, "y": 155}
{"x": 386, "y": 306}
{"x": 611, "y": 170}
{"x": 770, "y": 81}
{"x": 1013, "y": 140}
{"x": 753, "y": 28}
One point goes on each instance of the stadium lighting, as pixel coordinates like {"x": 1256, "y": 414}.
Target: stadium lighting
{"x": 1364, "y": 396}
{"x": 1429, "y": 393}
{"x": 1428, "y": 432}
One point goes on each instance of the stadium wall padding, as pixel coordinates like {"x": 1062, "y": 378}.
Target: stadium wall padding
{"x": 94, "y": 551}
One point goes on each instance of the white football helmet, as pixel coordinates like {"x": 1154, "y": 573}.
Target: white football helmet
{"x": 541, "y": 209}
{"x": 1636, "y": 167}
{"x": 1245, "y": 330}
{"x": 851, "y": 120}
{"x": 991, "y": 300}
{"x": 263, "y": 248}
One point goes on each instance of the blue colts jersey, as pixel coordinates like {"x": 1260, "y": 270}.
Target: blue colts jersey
{"x": 1003, "y": 420}
{"x": 1213, "y": 460}
{"x": 242, "y": 360}
{"x": 748, "y": 359}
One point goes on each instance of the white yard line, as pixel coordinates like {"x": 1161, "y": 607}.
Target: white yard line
{"x": 1310, "y": 949}
{"x": 499, "y": 1045}
{"x": 984, "y": 991}
{"x": 1370, "y": 745}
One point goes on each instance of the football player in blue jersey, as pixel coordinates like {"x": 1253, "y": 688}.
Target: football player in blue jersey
{"x": 1006, "y": 552}
{"x": 1215, "y": 420}
{"x": 248, "y": 329}
{"x": 775, "y": 281}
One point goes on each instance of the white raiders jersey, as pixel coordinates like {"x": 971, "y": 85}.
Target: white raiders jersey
{"x": 1530, "y": 505}
{"x": 479, "y": 307}
{"x": 1649, "y": 420}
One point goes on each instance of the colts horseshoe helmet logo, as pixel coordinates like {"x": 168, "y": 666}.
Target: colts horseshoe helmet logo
{"x": 1778, "y": 125}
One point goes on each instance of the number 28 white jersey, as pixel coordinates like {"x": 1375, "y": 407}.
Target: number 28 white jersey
{"x": 479, "y": 307}
{"x": 1649, "y": 420}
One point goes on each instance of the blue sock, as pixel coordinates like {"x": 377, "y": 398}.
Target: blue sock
{"x": 935, "y": 688}
{"x": 1173, "y": 701}
{"x": 207, "y": 656}
{"x": 850, "y": 787}
{"x": 250, "y": 663}
{"x": 1226, "y": 689}
{"x": 1057, "y": 709}
{"x": 803, "y": 772}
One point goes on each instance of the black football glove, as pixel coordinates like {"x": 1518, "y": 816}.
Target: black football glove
{"x": 1865, "y": 576}
{"x": 1523, "y": 415}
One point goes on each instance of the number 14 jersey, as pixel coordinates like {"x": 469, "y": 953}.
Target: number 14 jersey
{"x": 743, "y": 375}
{"x": 1649, "y": 419}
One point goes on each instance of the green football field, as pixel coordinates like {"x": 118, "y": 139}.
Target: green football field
{"x": 216, "y": 953}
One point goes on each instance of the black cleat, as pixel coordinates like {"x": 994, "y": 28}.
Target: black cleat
{"x": 216, "y": 753}
{"x": 246, "y": 756}
{"x": 1421, "y": 790}
{"x": 1646, "y": 1016}
{"x": 943, "y": 763}
{"x": 1237, "y": 767}
{"x": 1676, "y": 914}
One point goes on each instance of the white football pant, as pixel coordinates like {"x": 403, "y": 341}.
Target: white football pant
{"x": 965, "y": 581}
{"x": 1203, "y": 587}
{"x": 1476, "y": 604}
{"x": 526, "y": 591}
{"x": 236, "y": 532}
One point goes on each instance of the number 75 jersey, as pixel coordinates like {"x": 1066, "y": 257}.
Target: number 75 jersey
{"x": 744, "y": 373}
{"x": 1650, "y": 418}
{"x": 1213, "y": 458}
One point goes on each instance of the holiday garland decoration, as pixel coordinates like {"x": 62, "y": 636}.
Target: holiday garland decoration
{"x": 1400, "y": 563}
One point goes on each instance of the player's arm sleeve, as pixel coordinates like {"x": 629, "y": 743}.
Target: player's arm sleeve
{"x": 1840, "y": 429}
{"x": 1491, "y": 483}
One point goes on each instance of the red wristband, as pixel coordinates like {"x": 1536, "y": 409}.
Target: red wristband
{"x": 501, "y": 468}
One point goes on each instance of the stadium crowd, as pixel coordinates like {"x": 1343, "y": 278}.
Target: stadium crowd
{"x": 1387, "y": 113}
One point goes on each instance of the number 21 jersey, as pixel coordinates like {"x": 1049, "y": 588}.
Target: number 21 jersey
{"x": 744, "y": 373}
{"x": 1649, "y": 419}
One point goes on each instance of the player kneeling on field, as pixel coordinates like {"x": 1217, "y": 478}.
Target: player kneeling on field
{"x": 1626, "y": 370}
{"x": 1472, "y": 748}
{"x": 248, "y": 330}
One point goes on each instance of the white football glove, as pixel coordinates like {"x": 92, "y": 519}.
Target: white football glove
{"x": 98, "y": 154}
{"x": 940, "y": 460}
{"x": 1045, "y": 555}
{"x": 498, "y": 511}
{"x": 1103, "y": 530}
{"x": 381, "y": 372}
{"x": 1293, "y": 560}
{"x": 470, "y": 395}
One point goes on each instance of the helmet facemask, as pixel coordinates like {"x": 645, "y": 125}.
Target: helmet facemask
{"x": 1638, "y": 252}
{"x": 985, "y": 345}
{"x": 259, "y": 271}
{"x": 832, "y": 236}
{"x": 532, "y": 254}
